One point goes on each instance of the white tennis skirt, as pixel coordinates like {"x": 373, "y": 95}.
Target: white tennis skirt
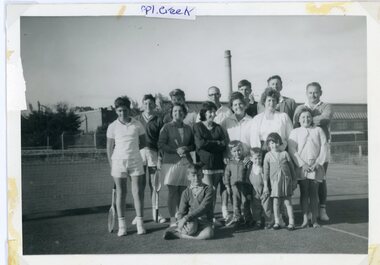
{"x": 175, "y": 174}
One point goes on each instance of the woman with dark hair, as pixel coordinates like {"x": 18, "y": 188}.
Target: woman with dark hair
{"x": 308, "y": 148}
{"x": 175, "y": 142}
{"x": 210, "y": 142}
{"x": 270, "y": 121}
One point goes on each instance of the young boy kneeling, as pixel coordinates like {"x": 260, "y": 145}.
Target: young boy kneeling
{"x": 196, "y": 209}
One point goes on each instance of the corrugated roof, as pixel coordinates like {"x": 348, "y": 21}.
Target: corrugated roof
{"x": 195, "y": 106}
{"x": 350, "y": 116}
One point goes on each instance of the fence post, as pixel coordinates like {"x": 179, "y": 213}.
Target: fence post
{"x": 95, "y": 139}
{"x": 63, "y": 144}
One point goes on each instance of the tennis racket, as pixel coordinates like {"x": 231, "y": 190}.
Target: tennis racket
{"x": 156, "y": 190}
{"x": 112, "y": 213}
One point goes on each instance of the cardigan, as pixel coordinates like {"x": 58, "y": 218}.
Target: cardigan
{"x": 200, "y": 206}
{"x": 170, "y": 139}
{"x": 236, "y": 171}
{"x": 210, "y": 153}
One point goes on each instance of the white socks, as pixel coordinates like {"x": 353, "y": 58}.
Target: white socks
{"x": 224, "y": 211}
{"x": 140, "y": 225}
{"x": 122, "y": 226}
{"x": 323, "y": 214}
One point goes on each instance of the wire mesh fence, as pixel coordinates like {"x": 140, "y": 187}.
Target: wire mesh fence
{"x": 92, "y": 147}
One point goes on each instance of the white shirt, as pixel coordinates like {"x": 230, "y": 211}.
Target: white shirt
{"x": 262, "y": 127}
{"x": 126, "y": 138}
{"x": 190, "y": 119}
{"x": 222, "y": 113}
{"x": 238, "y": 130}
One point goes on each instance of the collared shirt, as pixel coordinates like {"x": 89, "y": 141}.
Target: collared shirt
{"x": 195, "y": 190}
{"x": 126, "y": 138}
{"x": 315, "y": 106}
{"x": 238, "y": 130}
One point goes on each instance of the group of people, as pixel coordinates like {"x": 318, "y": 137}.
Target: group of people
{"x": 257, "y": 152}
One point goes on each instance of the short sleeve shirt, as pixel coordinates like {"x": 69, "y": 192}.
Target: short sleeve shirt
{"x": 126, "y": 138}
{"x": 238, "y": 130}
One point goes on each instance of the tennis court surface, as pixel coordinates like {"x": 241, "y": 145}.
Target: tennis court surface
{"x": 86, "y": 232}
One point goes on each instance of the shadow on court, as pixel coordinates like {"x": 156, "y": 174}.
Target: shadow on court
{"x": 84, "y": 231}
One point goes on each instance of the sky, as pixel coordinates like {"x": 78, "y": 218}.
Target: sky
{"x": 89, "y": 61}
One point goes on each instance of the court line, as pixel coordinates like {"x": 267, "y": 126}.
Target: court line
{"x": 345, "y": 232}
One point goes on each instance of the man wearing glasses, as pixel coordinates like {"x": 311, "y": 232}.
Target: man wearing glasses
{"x": 222, "y": 112}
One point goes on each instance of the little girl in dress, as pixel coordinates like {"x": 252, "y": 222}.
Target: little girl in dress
{"x": 278, "y": 168}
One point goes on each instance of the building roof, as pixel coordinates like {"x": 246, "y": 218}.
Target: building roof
{"x": 196, "y": 106}
{"x": 346, "y": 132}
{"x": 350, "y": 116}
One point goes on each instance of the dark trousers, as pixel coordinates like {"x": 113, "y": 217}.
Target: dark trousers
{"x": 241, "y": 193}
{"x": 322, "y": 189}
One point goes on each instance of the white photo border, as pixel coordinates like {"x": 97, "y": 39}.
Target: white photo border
{"x": 369, "y": 9}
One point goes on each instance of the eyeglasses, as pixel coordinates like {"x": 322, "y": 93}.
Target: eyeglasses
{"x": 214, "y": 95}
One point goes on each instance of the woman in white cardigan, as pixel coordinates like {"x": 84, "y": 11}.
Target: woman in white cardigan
{"x": 308, "y": 149}
{"x": 270, "y": 121}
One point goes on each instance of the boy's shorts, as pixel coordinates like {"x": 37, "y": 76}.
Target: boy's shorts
{"x": 121, "y": 168}
{"x": 149, "y": 156}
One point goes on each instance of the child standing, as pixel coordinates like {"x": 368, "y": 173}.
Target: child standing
{"x": 125, "y": 136}
{"x": 237, "y": 183}
{"x": 261, "y": 203}
{"x": 279, "y": 169}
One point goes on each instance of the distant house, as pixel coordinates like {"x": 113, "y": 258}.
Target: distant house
{"x": 349, "y": 123}
{"x": 93, "y": 119}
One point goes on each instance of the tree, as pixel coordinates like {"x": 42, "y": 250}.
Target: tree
{"x": 39, "y": 126}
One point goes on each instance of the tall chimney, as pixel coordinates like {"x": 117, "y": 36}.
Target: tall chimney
{"x": 227, "y": 56}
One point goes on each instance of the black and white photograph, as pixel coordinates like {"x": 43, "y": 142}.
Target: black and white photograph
{"x": 219, "y": 135}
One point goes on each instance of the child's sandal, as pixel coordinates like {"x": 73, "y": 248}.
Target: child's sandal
{"x": 276, "y": 226}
